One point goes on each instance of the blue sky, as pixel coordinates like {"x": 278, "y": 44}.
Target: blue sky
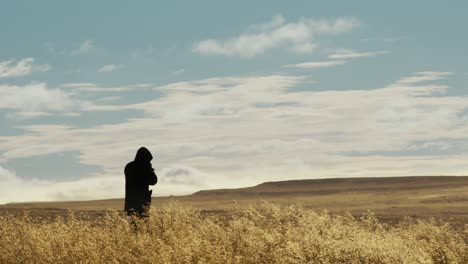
{"x": 228, "y": 94}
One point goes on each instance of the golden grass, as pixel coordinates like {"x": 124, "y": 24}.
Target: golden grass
{"x": 262, "y": 233}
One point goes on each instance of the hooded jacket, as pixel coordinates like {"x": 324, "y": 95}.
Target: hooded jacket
{"x": 139, "y": 174}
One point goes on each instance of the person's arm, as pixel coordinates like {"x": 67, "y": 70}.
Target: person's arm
{"x": 151, "y": 178}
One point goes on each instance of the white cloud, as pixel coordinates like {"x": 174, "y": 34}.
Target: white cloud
{"x": 100, "y": 187}
{"x": 43, "y": 190}
{"x": 353, "y": 54}
{"x": 104, "y": 89}
{"x": 240, "y": 131}
{"x": 110, "y": 68}
{"x": 92, "y": 87}
{"x": 423, "y": 77}
{"x": 317, "y": 64}
{"x": 110, "y": 98}
{"x": 33, "y": 98}
{"x": 26, "y": 115}
{"x": 21, "y": 68}
{"x": 86, "y": 47}
{"x": 78, "y": 85}
{"x": 6, "y": 175}
{"x": 385, "y": 39}
{"x": 9, "y": 186}
{"x": 143, "y": 85}
{"x": 299, "y": 36}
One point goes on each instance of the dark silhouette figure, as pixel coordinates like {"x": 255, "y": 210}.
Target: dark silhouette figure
{"x": 139, "y": 174}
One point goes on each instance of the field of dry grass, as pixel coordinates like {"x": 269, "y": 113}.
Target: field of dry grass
{"x": 262, "y": 233}
{"x": 275, "y": 222}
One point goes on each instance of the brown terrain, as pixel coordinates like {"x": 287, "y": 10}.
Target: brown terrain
{"x": 390, "y": 198}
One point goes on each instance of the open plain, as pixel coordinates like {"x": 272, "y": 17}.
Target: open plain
{"x": 390, "y": 198}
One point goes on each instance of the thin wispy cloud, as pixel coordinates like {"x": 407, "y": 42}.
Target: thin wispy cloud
{"x": 353, "y": 54}
{"x": 92, "y": 87}
{"x": 26, "y": 115}
{"x": 316, "y": 64}
{"x": 385, "y": 39}
{"x": 104, "y": 89}
{"x": 78, "y": 85}
{"x": 299, "y": 36}
{"x": 110, "y": 98}
{"x": 425, "y": 76}
{"x": 10, "y": 68}
{"x": 178, "y": 72}
{"x": 110, "y": 68}
{"x": 142, "y": 53}
{"x": 87, "y": 46}
{"x": 143, "y": 85}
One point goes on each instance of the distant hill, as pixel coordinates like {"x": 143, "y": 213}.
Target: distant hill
{"x": 391, "y": 197}
{"x": 343, "y": 185}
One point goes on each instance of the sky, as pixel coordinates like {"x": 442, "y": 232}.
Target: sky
{"x": 228, "y": 94}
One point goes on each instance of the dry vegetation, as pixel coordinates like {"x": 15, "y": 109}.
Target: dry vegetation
{"x": 390, "y": 198}
{"x": 263, "y": 233}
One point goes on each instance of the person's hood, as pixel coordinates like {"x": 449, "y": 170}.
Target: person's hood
{"x": 143, "y": 155}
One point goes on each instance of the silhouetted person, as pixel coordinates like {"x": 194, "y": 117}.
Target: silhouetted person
{"x": 139, "y": 174}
